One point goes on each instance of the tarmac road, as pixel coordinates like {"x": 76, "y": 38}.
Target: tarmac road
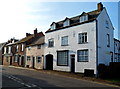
{"x": 23, "y": 78}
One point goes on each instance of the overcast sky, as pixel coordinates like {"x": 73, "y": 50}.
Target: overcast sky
{"x": 18, "y": 17}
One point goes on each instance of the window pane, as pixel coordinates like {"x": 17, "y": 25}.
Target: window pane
{"x": 50, "y": 42}
{"x": 82, "y": 38}
{"x": 62, "y": 58}
{"x": 64, "y": 40}
{"x": 82, "y": 55}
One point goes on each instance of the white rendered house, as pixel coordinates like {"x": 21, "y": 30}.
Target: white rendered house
{"x": 79, "y": 43}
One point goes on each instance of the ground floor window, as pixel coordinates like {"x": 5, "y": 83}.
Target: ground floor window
{"x": 62, "y": 58}
{"x": 16, "y": 58}
{"x": 28, "y": 58}
{"x": 39, "y": 59}
{"x": 82, "y": 55}
{"x": 7, "y": 59}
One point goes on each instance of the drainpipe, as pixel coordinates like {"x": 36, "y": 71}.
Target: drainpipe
{"x": 96, "y": 48}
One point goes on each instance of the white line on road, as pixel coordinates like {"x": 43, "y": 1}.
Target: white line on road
{"x": 20, "y": 81}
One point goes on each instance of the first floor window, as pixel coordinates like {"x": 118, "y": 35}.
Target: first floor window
{"x": 83, "y": 55}
{"x": 51, "y": 43}
{"x": 64, "y": 41}
{"x": 82, "y": 38}
{"x": 38, "y": 46}
{"x": 62, "y": 58}
{"x": 28, "y": 58}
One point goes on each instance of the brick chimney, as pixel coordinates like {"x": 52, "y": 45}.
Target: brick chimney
{"x": 35, "y": 31}
{"x": 28, "y": 34}
{"x": 100, "y": 6}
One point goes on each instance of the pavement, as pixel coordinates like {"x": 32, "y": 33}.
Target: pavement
{"x": 25, "y": 78}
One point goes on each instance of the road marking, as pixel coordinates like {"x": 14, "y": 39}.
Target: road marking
{"x": 20, "y": 81}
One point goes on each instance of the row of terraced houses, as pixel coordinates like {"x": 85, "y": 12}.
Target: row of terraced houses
{"x": 73, "y": 45}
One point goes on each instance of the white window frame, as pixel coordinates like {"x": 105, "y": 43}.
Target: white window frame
{"x": 82, "y": 38}
{"x": 29, "y": 48}
{"x": 17, "y": 48}
{"x": 5, "y": 50}
{"x": 66, "y": 23}
{"x": 83, "y": 55}
{"x": 51, "y": 42}
{"x": 53, "y": 26}
{"x": 38, "y": 60}
{"x": 28, "y": 58}
{"x": 9, "y": 49}
{"x": 83, "y": 18}
{"x": 64, "y": 41}
{"x": 62, "y": 56}
{"x": 22, "y": 47}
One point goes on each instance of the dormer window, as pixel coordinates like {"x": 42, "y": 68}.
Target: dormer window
{"x": 83, "y": 18}
{"x": 53, "y": 26}
{"x": 66, "y": 23}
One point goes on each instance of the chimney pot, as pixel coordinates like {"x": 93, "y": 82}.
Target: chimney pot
{"x": 100, "y": 6}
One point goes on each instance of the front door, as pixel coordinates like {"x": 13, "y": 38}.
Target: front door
{"x": 49, "y": 62}
{"x": 72, "y": 63}
{"x": 22, "y": 61}
{"x": 33, "y": 62}
{"x": 11, "y": 60}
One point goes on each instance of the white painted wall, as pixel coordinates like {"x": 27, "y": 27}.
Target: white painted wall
{"x": 104, "y": 56}
{"x": 73, "y": 46}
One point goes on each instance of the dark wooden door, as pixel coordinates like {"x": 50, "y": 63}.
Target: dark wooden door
{"x": 22, "y": 61}
{"x": 72, "y": 63}
{"x": 49, "y": 62}
{"x": 33, "y": 62}
{"x": 10, "y": 60}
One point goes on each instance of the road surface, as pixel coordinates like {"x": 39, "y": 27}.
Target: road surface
{"x": 23, "y": 78}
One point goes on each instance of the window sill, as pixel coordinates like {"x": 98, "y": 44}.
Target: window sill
{"x": 51, "y": 47}
{"x": 62, "y": 65}
{"x": 108, "y": 46}
{"x": 83, "y": 43}
{"x": 83, "y": 61}
{"x": 65, "y": 45}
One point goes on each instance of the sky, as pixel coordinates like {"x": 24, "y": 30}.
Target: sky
{"x": 18, "y": 17}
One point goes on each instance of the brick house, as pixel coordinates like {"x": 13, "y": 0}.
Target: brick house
{"x": 1, "y": 52}
{"x": 35, "y": 53}
{"x": 20, "y": 53}
{"x": 9, "y": 51}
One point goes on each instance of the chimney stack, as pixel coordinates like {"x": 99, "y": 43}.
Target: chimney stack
{"x": 100, "y": 6}
{"x": 28, "y": 34}
{"x": 35, "y": 31}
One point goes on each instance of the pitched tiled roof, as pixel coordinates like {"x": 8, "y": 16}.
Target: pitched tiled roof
{"x": 38, "y": 41}
{"x": 25, "y": 39}
{"x": 31, "y": 38}
{"x": 2, "y": 45}
{"x": 92, "y": 15}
